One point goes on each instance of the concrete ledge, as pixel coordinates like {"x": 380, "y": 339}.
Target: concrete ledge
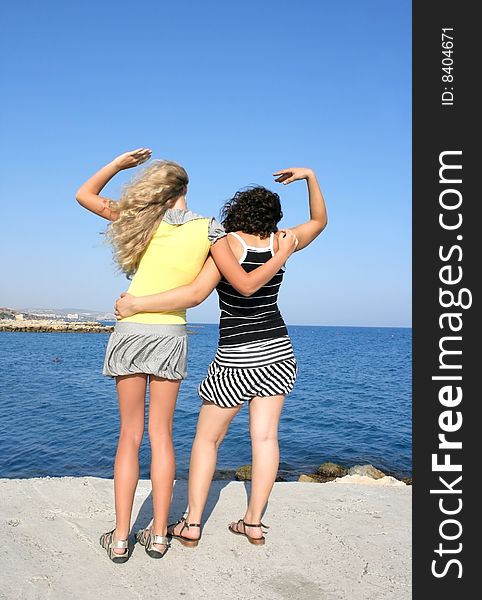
{"x": 325, "y": 542}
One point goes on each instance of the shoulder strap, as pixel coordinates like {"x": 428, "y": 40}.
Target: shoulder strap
{"x": 271, "y": 242}
{"x": 179, "y": 216}
{"x": 238, "y": 237}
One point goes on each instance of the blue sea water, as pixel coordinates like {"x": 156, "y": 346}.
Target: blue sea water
{"x": 351, "y": 403}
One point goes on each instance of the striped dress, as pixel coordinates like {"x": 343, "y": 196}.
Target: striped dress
{"x": 255, "y": 356}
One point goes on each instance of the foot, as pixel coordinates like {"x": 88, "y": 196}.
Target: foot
{"x": 240, "y": 527}
{"x": 144, "y": 535}
{"x": 117, "y": 538}
{"x": 162, "y": 531}
{"x": 160, "y": 547}
{"x": 193, "y": 533}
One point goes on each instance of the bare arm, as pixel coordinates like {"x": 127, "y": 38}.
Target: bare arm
{"x": 248, "y": 283}
{"x": 88, "y": 195}
{"x": 185, "y": 296}
{"x": 307, "y": 232}
{"x": 192, "y": 294}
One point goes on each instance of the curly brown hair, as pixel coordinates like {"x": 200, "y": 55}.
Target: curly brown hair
{"x": 254, "y": 210}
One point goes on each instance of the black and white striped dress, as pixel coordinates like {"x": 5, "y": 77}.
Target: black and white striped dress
{"x": 255, "y": 356}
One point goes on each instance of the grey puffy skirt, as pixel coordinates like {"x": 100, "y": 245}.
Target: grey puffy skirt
{"x": 155, "y": 349}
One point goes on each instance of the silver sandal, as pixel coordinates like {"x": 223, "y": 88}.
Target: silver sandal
{"x": 146, "y": 538}
{"x": 108, "y": 543}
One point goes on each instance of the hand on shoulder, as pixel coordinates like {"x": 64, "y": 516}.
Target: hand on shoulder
{"x": 285, "y": 241}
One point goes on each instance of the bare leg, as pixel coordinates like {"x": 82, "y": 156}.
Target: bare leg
{"x": 264, "y": 415}
{"x": 131, "y": 392}
{"x": 162, "y": 402}
{"x": 213, "y": 424}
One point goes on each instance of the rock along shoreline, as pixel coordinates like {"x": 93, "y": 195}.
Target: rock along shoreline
{"x": 326, "y": 472}
{"x": 54, "y": 326}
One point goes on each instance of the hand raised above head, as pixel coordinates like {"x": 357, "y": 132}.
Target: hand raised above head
{"x": 292, "y": 174}
{"x": 133, "y": 158}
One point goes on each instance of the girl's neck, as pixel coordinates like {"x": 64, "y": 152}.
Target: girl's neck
{"x": 180, "y": 203}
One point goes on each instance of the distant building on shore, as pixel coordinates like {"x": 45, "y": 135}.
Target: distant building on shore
{"x": 72, "y": 316}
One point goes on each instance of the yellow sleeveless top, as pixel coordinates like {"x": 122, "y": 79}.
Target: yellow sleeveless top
{"x": 173, "y": 257}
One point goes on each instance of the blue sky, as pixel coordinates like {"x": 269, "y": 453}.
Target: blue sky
{"x": 232, "y": 91}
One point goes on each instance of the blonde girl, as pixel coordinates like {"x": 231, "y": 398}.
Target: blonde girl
{"x": 160, "y": 244}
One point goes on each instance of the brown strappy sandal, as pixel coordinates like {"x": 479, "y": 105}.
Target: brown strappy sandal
{"x": 185, "y": 541}
{"x": 255, "y": 541}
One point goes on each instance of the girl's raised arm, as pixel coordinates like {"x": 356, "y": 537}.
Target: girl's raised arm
{"x": 307, "y": 232}
{"x": 88, "y": 193}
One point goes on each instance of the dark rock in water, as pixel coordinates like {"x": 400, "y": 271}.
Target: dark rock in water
{"x": 329, "y": 469}
{"x": 284, "y": 475}
{"x": 367, "y": 470}
{"x": 406, "y": 480}
{"x": 244, "y": 473}
{"x": 224, "y": 474}
{"x": 314, "y": 478}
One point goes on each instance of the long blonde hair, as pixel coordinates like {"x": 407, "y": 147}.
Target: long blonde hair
{"x": 143, "y": 202}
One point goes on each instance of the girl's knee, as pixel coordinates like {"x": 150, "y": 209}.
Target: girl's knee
{"x": 131, "y": 435}
{"x": 219, "y": 440}
{"x": 260, "y": 437}
{"x": 210, "y": 437}
{"x": 160, "y": 434}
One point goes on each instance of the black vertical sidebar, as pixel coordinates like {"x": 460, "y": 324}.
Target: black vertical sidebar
{"x": 447, "y": 230}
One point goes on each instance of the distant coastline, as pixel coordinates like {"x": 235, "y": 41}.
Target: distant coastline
{"x": 39, "y": 325}
{"x": 53, "y": 326}
{"x": 84, "y": 315}
{"x": 65, "y": 320}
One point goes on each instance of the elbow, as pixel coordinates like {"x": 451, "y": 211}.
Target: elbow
{"x": 318, "y": 225}
{"x": 246, "y": 290}
{"x": 197, "y": 299}
{"x": 83, "y": 195}
{"x": 79, "y": 196}
{"x": 198, "y": 296}
{"x": 244, "y": 285}
{"x": 322, "y": 223}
